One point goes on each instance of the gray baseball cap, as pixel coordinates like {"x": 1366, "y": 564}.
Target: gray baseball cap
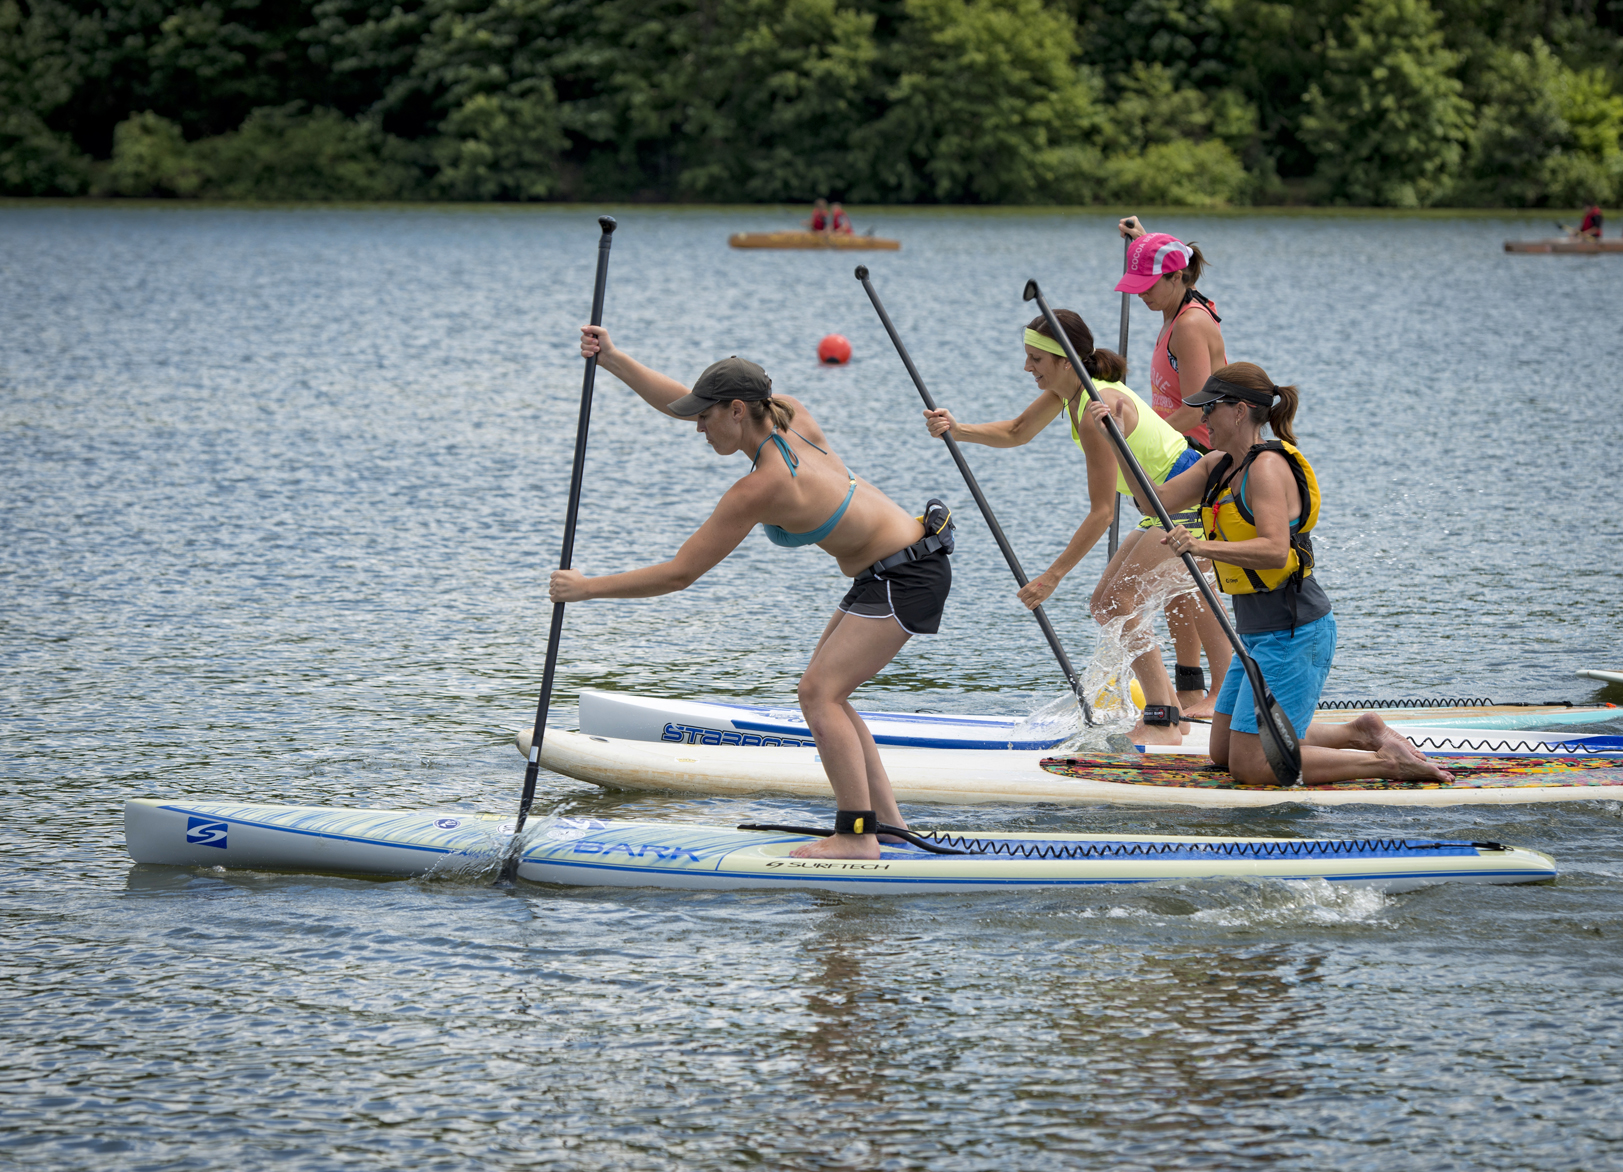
{"x": 722, "y": 382}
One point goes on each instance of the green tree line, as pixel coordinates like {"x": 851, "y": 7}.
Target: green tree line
{"x": 1400, "y": 103}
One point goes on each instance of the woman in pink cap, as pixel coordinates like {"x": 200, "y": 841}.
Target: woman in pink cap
{"x": 1162, "y": 271}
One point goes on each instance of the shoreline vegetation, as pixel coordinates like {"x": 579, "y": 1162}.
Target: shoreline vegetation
{"x": 1105, "y": 213}
{"x": 1068, "y": 104}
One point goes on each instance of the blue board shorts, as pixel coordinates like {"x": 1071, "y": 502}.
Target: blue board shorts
{"x": 1189, "y": 518}
{"x": 1295, "y": 670}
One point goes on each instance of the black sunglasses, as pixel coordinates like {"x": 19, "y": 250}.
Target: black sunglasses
{"x": 1215, "y": 403}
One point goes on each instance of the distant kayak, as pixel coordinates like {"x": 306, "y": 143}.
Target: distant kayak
{"x": 1564, "y": 244}
{"x": 810, "y": 240}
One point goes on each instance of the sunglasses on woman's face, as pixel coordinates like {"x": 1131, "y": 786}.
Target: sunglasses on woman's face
{"x": 1213, "y": 405}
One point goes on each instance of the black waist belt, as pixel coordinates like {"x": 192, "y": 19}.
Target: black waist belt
{"x": 919, "y": 549}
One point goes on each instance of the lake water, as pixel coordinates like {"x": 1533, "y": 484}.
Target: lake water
{"x": 282, "y": 491}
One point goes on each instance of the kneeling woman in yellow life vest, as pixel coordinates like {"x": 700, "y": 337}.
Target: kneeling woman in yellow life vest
{"x": 1259, "y": 502}
{"x": 1133, "y": 573}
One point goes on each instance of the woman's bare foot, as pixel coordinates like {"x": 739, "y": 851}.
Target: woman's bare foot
{"x": 1406, "y": 768}
{"x": 839, "y": 846}
{"x": 1203, "y": 705}
{"x": 1155, "y": 734}
{"x": 1372, "y": 733}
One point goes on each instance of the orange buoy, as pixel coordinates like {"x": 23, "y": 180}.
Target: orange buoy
{"x": 834, "y": 349}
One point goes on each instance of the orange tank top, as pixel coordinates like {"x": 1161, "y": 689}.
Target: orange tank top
{"x": 1165, "y": 389}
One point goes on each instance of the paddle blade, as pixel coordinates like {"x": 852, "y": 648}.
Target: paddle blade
{"x": 1279, "y": 744}
{"x": 1031, "y": 291}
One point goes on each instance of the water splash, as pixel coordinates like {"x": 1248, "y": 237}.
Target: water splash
{"x": 1247, "y": 903}
{"x": 1107, "y": 680}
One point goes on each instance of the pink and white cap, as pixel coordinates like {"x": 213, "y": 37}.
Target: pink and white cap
{"x": 1151, "y": 257}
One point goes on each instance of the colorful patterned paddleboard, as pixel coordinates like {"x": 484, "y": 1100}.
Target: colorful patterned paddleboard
{"x": 1470, "y": 773}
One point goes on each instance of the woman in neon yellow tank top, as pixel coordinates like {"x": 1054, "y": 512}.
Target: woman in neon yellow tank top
{"x": 1131, "y": 575}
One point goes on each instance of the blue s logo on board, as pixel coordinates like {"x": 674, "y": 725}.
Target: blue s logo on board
{"x": 448, "y": 823}
{"x": 205, "y": 832}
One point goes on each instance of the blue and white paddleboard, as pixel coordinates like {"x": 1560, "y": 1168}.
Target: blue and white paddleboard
{"x": 655, "y": 718}
{"x": 622, "y": 716}
{"x": 597, "y": 852}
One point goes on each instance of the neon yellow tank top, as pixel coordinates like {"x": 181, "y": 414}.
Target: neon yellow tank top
{"x": 1153, "y": 441}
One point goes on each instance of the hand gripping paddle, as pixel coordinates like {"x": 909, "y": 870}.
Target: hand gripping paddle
{"x": 1278, "y": 737}
{"x": 1071, "y": 677}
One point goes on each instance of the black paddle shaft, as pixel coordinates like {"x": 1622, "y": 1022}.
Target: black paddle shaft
{"x": 576, "y": 475}
{"x": 1278, "y": 737}
{"x": 980, "y": 499}
{"x": 1121, "y": 348}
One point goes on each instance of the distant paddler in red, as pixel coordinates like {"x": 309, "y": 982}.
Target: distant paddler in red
{"x": 1162, "y": 271}
{"x": 800, "y": 493}
{"x": 1258, "y": 505}
{"x": 840, "y": 223}
{"x": 1590, "y": 229}
{"x": 819, "y": 220}
{"x": 1162, "y": 451}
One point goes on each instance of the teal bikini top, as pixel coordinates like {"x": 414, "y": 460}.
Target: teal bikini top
{"x": 780, "y": 536}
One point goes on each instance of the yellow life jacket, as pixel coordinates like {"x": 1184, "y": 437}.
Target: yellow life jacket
{"x": 1224, "y": 517}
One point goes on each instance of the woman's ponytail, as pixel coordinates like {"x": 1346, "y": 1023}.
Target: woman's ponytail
{"x": 1281, "y": 414}
{"x": 1105, "y": 365}
{"x": 781, "y": 410}
{"x": 1196, "y": 266}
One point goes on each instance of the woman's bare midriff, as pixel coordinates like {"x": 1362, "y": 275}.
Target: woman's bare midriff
{"x": 873, "y": 527}
{"x": 880, "y": 529}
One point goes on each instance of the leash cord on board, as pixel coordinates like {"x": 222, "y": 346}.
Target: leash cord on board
{"x": 1445, "y": 702}
{"x": 945, "y": 843}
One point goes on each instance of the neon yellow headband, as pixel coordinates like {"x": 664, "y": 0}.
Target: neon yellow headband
{"x": 1044, "y": 342}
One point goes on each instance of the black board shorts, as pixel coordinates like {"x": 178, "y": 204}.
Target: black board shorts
{"x": 914, "y": 594}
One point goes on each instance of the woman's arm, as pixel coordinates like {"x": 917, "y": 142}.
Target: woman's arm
{"x": 1005, "y": 433}
{"x": 659, "y": 391}
{"x": 1101, "y": 509}
{"x": 1269, "y": 491}
{"x": 1196, "y": 342}
{"x": 736, "y": 514}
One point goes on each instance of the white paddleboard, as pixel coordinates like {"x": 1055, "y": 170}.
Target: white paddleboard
{"x": 596, "y": 852}
{"x": 1609, "y": 677}
{"x": 623, "y": 716}
{"x": 992, "y": 775}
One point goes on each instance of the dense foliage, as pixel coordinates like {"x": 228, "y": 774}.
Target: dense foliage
{"x": 1201, "y": 102}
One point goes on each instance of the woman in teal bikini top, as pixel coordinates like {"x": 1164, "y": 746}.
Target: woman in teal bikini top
{"x": 780, "y": 536}
{"x": 901, "y": 576}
